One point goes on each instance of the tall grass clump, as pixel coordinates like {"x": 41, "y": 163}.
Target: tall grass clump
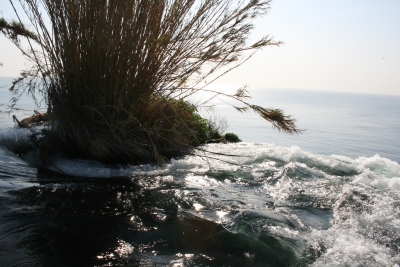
{"x": 116, "y": 74}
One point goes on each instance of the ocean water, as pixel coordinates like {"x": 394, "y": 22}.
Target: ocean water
{"x": 328, "y": 197}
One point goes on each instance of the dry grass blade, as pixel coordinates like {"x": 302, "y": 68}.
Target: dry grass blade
{"x": 279, "y": 120}
{"x": 14, "y": 30}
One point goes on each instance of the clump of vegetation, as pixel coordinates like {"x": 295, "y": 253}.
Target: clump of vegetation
{"x": 115, "y": 74}
{"x": 232, "y": 138}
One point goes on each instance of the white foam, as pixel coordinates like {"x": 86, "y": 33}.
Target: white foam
{"x": 345, "y": 248}
{"x": 380, "y": 173}
{"x": 379, "y": 165}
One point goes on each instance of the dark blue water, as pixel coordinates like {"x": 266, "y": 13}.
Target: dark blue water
{"x": 328, "y": 197}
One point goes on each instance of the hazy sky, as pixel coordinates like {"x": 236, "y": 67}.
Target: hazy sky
{"x": 335, "y": 45}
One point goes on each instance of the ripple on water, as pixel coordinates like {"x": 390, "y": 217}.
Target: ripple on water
{"x": 269, "y": 205}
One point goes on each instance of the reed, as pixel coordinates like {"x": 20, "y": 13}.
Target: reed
{"x": 116, "y": 74}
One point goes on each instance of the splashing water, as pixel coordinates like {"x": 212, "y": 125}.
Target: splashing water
{"x": 267, "y": 206}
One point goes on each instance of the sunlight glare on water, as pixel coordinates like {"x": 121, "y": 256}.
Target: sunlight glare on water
{"x": 329, "y": 210}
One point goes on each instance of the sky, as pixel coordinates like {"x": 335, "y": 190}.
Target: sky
{"x": 332, "y": 45}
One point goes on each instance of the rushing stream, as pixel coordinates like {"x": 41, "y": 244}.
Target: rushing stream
{"x": 269, "y": 205}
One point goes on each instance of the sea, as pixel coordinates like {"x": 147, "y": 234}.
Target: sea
{"x": 329, "y": 196}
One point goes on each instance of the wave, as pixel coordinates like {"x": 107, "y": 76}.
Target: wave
{"x": 326, "y": 210}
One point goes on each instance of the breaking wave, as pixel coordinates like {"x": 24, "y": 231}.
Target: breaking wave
{"x": 277, "y": 204}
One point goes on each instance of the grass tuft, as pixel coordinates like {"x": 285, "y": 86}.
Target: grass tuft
{"x": 116, "y": 74}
